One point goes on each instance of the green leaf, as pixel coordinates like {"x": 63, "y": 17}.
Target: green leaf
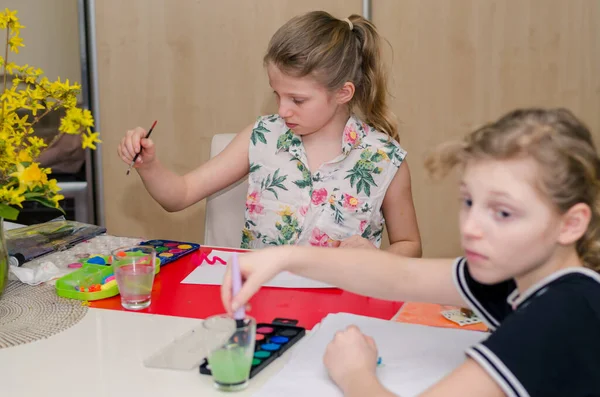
{"x": 8, "y": 212}
{"x": 270, "y": 189}
{"x": 366, "y": 233}
{"x": 369, "y": 178}
{"x": 338, "y": 217}
{"x": 47, "y": 203}
{"x": 261, "y": 128}
{"x": 31, "y": 195}
{"x": 353, "y": 179}
{"x": 254, "y": 167}
{"x": 376, "y": 158}
{"x": 302, "y": 183}
{"x": 261, "y": 137}
{"x": 361, "y": 185}
{"x": 368, "y": 190}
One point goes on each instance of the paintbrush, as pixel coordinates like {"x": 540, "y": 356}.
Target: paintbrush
{"x": 138, "y": 153}
{"x": 236, "y": 282}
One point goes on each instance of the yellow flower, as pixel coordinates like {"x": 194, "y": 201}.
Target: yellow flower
{"x": 52, "y": 186}
{"x": 12, "y": 196}
{"x": 15, "y": 42}
{"x": 11, "y": 16}
{"x": 31, "y": 176}
{"x": 90, "y": 140}
{"x": 56, "y": 198}
{"x": 21, "y": 177}
{"x": 287, "y": 211}
{"x": 24, "y": 157}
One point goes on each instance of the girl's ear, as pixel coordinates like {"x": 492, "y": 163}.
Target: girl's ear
{"x": 346, "y": 93}
{"x": 574, "y": 223}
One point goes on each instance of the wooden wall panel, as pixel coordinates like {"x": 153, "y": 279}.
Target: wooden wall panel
{"x": 459, "y": 63}
{"x": 196, "y": 67}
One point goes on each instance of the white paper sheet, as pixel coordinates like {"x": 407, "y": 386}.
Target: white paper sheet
{"x": 207, "y": 274}
{"x": 414, "y": 357}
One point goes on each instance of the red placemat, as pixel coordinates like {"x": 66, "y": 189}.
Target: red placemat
{"x": 308, "y": 306}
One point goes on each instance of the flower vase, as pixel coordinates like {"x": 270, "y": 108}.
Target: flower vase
{"x": 3, "y": 259}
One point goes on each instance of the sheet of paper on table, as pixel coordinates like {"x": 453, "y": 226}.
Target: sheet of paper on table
{"x": 207, "y": 274}
{"x": 414, "y": 357}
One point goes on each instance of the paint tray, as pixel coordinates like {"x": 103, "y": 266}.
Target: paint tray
{"x": 272, "y": 340}
{"x": 188, "y": 350}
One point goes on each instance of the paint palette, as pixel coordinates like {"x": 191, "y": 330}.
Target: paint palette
{"x": 168, "y": 251}
{"x": 272, "y": 340}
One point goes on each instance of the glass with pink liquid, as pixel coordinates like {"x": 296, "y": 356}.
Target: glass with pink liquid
{"x": 134, "y": 269}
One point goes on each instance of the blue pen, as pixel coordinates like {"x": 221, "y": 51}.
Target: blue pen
{"x": 379, "y": 361}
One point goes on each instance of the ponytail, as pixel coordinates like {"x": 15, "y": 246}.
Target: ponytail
{"x": 372, "y": 93}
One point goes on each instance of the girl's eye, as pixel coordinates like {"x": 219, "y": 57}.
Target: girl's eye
{"x": 467, "y": 202}
{"x": 503, "y": 214}
{"x": 298, "y": 101}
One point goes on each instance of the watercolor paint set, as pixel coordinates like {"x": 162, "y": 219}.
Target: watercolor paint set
{"x": 272, "y": 340}
{"x": 168, "y": 250}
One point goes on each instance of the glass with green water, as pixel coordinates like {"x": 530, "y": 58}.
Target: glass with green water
{"x": 230, "y": 363}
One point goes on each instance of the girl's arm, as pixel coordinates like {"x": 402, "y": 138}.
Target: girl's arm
{"x": 176, "y": 192}
{"x": 369, "y": 272}
{"x": 400, "y": 217}
{"x": 467, "y": 380}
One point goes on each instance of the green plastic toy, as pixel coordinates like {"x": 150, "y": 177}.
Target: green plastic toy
{"x": 76, "y": 285}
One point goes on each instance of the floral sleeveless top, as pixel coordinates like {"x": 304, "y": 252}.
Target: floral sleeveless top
{"x": 287, "y": 204}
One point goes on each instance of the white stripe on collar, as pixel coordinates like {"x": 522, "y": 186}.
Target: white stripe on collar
{"x": 515, "y": 298}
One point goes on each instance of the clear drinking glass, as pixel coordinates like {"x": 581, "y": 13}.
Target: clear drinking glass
{"x": 230, "y": 363}
{"x": 134, "y": 269}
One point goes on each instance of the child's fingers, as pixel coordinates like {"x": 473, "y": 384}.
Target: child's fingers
{"x": 123, "y": 152}
{"x": 130, "y": 145}
{"x": 249, "y": 288}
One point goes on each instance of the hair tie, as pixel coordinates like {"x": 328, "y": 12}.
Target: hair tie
{"x": 349, "y": 23}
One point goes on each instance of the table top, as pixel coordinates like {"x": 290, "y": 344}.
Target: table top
{"x": 308, "y": 306}
{"x": 102, "y": 356}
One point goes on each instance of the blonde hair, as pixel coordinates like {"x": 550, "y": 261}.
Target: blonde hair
{"x": 561, "y": 145}
{"x": 335, "y": 51}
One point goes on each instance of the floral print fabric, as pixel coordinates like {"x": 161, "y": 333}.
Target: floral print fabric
{"x": 289, "y": 204}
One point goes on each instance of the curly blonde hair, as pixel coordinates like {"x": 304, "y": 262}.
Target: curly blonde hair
{"x": 562, "y": 146}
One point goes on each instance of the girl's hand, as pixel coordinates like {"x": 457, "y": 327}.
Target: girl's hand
{"x": 132, "y": 143}
{"x": 257, "y": 268}
{"x": 350, "y": 356}
{"x": 356, "y": 241}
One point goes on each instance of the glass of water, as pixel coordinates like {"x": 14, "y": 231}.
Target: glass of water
{"x": 134, "y": 269}
{"x": 230, "y": 363}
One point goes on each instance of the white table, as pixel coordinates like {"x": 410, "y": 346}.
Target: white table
{"x": 102, "y": 356}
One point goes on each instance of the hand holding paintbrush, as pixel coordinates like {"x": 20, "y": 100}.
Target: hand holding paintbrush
{"x": 132, "y": 145}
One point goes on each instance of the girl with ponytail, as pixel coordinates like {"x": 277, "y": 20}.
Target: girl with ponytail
{"x": 327, "y": 169}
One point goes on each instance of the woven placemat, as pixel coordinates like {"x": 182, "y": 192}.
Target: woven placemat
{"x": 30, "y": 313}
